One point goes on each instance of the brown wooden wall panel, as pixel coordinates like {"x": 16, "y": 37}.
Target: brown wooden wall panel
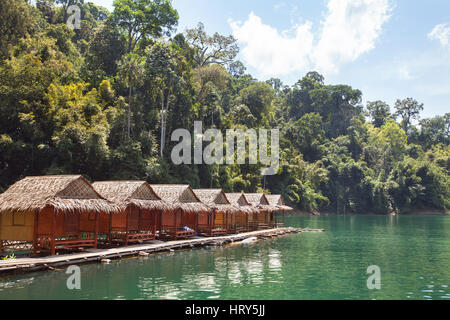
{"x": 167, "y": 218}
{"x": 9, "y": 231}
{"x": 59, "y": 224}
{"x": 103, "y": 222}
{"x": 133, "y": 219}
{"x": 188, "y": 220}
{"x": 147, "y": 219}
{"x": 262, "y": 217}
{"x": 241, "y": 218}
{"x": 203, "y": 219}
{"x": 119, "y": 221}
{"x": 87, "y": 221}
{"x": 71, "y": 223}
{"x": 220, "y": 218}
{"x": 45, "y": 221}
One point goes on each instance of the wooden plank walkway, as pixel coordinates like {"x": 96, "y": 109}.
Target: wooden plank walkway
{"x": 28, "y": 264}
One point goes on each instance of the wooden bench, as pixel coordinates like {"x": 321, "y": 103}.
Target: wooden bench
{"x": 132, "y": 237}
{"x": 209, "y": 231}
{"x": 183, "y": 234}
{"x": 219, "y": 232}
{"x": 263, "y": 226}
{"x": 253, "y": 225}
{"x": 240, "y": 229}
{"x": 172, "y": 233}
{"x": 64, "y": 244}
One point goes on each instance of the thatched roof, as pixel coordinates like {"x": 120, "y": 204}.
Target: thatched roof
{"x": 277, "y": 201}
{"x": 259, "y": 201}
{"x": 215, "y": 199}
{"x": 180, "y": 196}
{"x": 239, "y": 200}
{"x": 66, "y": 193}
{"x": 125, "y": 193}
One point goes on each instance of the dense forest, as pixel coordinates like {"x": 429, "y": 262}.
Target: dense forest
{"x": 102, "y": 100}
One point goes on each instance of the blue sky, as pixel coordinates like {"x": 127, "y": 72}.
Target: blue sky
{"x": 388, "y": 49}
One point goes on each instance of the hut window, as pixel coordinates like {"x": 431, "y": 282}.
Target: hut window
{"x": 18, "y": 219}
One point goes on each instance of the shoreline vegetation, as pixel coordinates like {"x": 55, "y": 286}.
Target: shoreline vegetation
{"x": 104, "y": 99}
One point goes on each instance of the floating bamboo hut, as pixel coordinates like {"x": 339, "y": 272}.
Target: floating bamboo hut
{"x": 276, "y": 200}
{"x": 48, "y": 213}
{"x": 240, "y": 201}
{"x": 260, "y": 218}
{"x": 221, "y": 212}
{"x": 140, "y": 214}
{"x": 182, "y": 220}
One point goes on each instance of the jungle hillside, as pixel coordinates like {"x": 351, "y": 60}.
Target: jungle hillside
{"x": 102, "y": 100}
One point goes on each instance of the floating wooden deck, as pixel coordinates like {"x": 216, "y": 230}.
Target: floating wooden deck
{"x": 27, "y": 264}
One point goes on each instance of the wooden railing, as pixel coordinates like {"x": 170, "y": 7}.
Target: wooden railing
{"x": 175, "y": 233}
{"x": 132, "y": 236}
{"x": 44, "y": 242}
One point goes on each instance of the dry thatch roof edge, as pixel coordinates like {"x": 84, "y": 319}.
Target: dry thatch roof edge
{"x": 65, "y": 193}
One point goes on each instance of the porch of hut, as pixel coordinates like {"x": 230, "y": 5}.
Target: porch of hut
{"x": 276, "y": 201}
{"x": 140, "y": 213}
{"x": 221, "y": 211}
{"x": 259, "y": 220}
{"x": 241, "y": 222}
{"x": 181, "y": 222}
{"x": 50, "y": 213}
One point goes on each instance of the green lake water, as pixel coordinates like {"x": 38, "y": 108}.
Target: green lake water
{"x": 412, "y": 252}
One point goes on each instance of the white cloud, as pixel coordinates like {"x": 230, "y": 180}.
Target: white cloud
{"x": 404, "y": 73}
{"x": 441, "y": 32}
{"x": 349, "y": 29}
{"x": 271, "y": 52}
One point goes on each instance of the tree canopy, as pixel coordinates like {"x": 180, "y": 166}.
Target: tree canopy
{"x": 104, "y": 99}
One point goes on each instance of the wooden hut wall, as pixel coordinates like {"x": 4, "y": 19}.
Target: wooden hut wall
{"x": 87, "y": 221}
{"x": 65, "y": 224}
{"x": 262, "y": 216}
{"x": 252, "y": 217}
{"x": 220, "y": 219}
{"x": 231, "y": 220}
{"x": 204, "y": 218}
{"x": 17, "y": 226}
{"x": 241, "y": 218}
{"x": 189, "y": 219}
{"x": 133, "y": 218}
{"x": 271, "y": 217}
{"x": 46, "y": 224}
{"x": 170, "y": 219}
{"x": 119, "y": 220}
{"x": 149, "y": 219}
{"x": 103, "y": 222}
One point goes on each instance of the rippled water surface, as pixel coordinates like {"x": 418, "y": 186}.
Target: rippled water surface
{"x": 413, "y": 253}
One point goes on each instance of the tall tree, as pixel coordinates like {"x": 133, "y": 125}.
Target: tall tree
{"x": 131, "y": 68}
{"x": 435, "y": 130}
{"x": 379, "y": 112}
{"x": 408, "y": 109}
{"x": 164, "y": 71}
{"x": 144, "y": 18}
{"x": 15, "y": 23}
{"x": 258, "y": 97}
{"x": 216, "y": 49}
{"x": 66, "y": 4}
{"x": 105, "y": 49}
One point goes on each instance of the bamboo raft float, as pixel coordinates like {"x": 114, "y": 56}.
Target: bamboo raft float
{"x": 27, "y": 264}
